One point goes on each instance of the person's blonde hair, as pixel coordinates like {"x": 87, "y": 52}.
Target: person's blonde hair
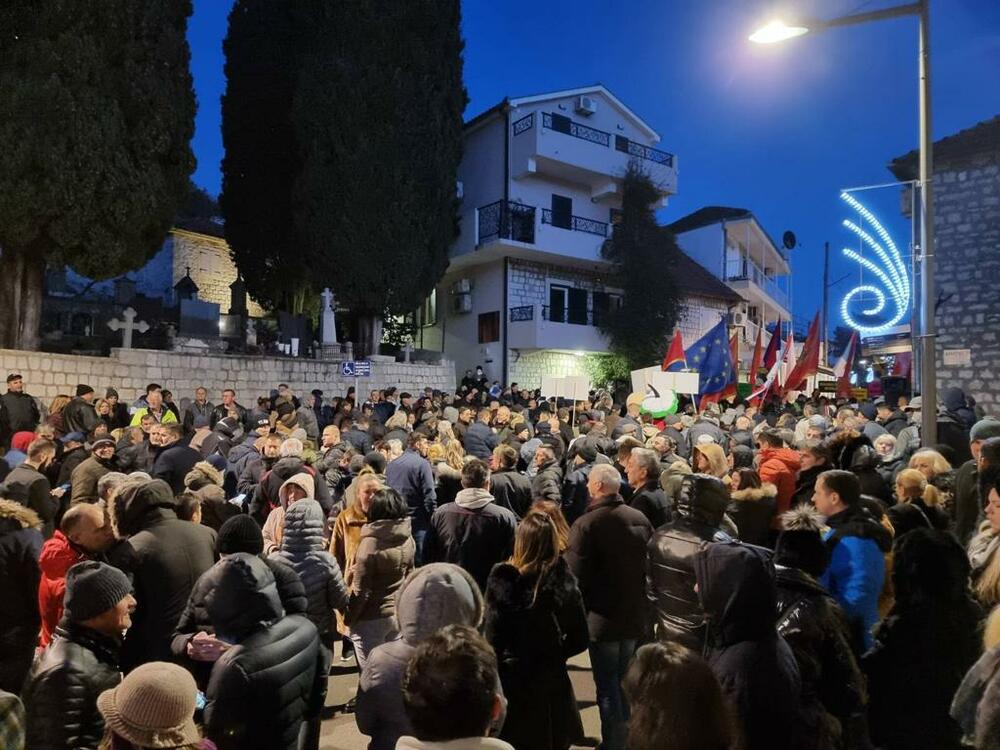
{"x": 454, "y": 455}
{"x": 987, "y": 585}
{"x": 553, "y": 511}
{"x": 59, "y": 403}
{"x": 939, "y": 463}
{"x": 435, "y": 452}
{"x": 915, "y": 484}
{"x": 397, "y": 421}
{"x": 991, "y": 633}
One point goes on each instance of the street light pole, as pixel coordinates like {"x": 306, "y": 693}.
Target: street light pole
{"x": 928, "y": 328}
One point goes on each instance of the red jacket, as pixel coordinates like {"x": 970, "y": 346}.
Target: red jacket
{"x": 779, "y": 466}
{"x": 57, "y": 557}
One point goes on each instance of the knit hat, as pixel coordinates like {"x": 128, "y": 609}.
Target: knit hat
{"x": 218, "y": 461}
{"x": 102, "y": 442}
{"x": 801, "y": 545}
{"x": 586, "y": 450}
{"x": 868, "y": 409}
{"x": 110, "y": 392}
{"x": 984, "y": 429}
{"x": 240, "y": 534}
{"x": 22, "y": 440}
{"x": 92, "y": 588}
{"x": 153, "y": 706}
{"x": 83, "y": 389}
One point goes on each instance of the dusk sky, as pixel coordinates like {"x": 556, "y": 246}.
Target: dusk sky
{"x": 776, "y": 129}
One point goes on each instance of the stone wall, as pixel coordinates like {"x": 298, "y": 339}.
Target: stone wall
{"x": 528, "y": 283}
{"x": 211, "y": 267}
{"x": 528, "y": 369}
{"x": 967, "y": 231}
{"x": 129, "y": 370}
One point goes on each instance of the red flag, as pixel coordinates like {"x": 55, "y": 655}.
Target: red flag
{"x": 758, "y": 358}
{"x": 808, "y": 362}
{"x": 845, "y": 365}
{"x": 675, "y": 359}
{"x": 773, "y": 346}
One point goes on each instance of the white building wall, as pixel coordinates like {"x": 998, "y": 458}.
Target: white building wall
{"x": 705, "y": 245}
{"x": 481, "y": 173}
{"x": 528, "y": 368}
{"x": 460, "y": 331}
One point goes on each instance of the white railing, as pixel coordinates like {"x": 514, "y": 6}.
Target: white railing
{"x": 742, "y": 269}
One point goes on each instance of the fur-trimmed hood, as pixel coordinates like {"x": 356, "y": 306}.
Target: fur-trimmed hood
{"x": 852, "y": 450}
{"x": 510, "y": 589}
{"x": 803, "y": 517}
{"x": 755, "y": 494}
{"x": 202, "y": 474}
{"x": 137, "y": 502}
{"x": 14, "y": 517}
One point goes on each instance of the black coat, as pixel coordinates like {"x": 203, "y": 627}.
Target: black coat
{"x": 79, "y": 416}
{"x": 479, "y": 440}
{"x": 511, "y": 490}
{"x": 265, "y": 496}
{"x": 20, "y": 546}
{"x": 607, "y": 554}
{"x": 752, "y": 510}
{"x": 652, "y": 502}
{"x": 18, "y": 413}
{"x": 805, "y": 484}
{"x": 263, "y": 687}
{"x": 814, "y": 627}
{"x": 173, "y": 463}
{"x": 220, "y": 412}
{"x": 547, "y": 483}
{"x": 968, "y": 506}
{"x": 60, "y": 694}
{"x": 575, "y": 495}
{"x": 70, "y": 460}
{"x": 755, "y": 666}
{"x": 165, "y": 557}
{"x": 895, "y": 423}
{"x": 32, "y": 489}
{"x": 534, "y": 631}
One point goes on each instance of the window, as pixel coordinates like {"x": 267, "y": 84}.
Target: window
{"x": 558, "y": 298}
{"x": 427, "y": 312}
{"x": 604, "y": 302}
{"x": 562, "y": 211}
{"x": 577, "y": 311}
{"x": 489, "y": 327}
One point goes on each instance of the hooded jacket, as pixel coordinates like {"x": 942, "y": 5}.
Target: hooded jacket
{"x": 20, "y": 545}
{"x": 698, "y": 512}
{"x": 752, "y": 510}
{"x": 755, "y": 666}
{"x": 384, "y": 557}
{"x": 263, "y": 687}
{"x": 265, "y": 496}
{"x": 303, "y": 547}
{"x": 472, "y": 532}
{"x": 547, "y": 482}
{"x": 854, "y": 452}
{"x": 205, "y": 482}
{"x": 60, "y": 694}
{"x": 431, "y": 597}
{"x": 780, "y": 466}
{"x": 274, "y": 526}
{"x": 58, "y": 555}
{"x": 29, "y": 487}
{"x": 534, "y": 626}
{"x": 165, "y": 557}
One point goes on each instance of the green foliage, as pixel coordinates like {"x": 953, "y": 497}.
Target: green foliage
{"x": 378, "y": 114}
{"x": 98, "y": 112}
{"x": 262, "y": 159}
{"x": 198, "y": 204}
{"x": 399, "y": 330}
{"x": 607, "y": 370}
{"x": 643, "y": 255}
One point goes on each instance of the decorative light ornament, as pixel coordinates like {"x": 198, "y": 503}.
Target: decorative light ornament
{"x": 892, "y": 274}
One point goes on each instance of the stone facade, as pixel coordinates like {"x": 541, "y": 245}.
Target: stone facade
{"x": 527, "y": 368}
{"x": 211, "y": 267}
{"x": 528, "y": 282}
{"x": 129, "y": 370}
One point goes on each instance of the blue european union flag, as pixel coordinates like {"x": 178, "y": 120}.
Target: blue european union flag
{"x": 711, "y": 357}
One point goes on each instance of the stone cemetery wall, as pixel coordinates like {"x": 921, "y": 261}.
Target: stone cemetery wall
{"x": 129, "y": 370}
{"x": 211, "y": 267}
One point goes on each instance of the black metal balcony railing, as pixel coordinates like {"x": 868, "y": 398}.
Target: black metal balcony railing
{"x": 522, "y": 313}
{"x": 525, "y": 123}
{"x": 562, "y": 124}
{"x": 577, "y": 224}
{"x": 507, "y": 220}
{"x": 576, "y": 316}
{"x": 643, "y": 152}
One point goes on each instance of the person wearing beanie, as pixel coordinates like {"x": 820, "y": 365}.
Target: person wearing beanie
{"x": 814, "y": 626}
{"x": 268, "y": 654}
{"x": 200, "y": 430}
{"x": 79, "y": 414}
{"x": 153, "y": 707}
{"x": 18, "y": 411}
{"x": 430, "y": 598}
{"x": 968, "y": 498}
{"x": 194, "y": 643}
{"x": 64, "y": 686}
{"x": 83, "y": 479}
{"x": 204, "y": 481}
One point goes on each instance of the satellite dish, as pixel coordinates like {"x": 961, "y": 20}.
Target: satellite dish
{"x": 788, "y": 240}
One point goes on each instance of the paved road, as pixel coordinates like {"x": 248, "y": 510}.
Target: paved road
{"x": 341, "y": 733}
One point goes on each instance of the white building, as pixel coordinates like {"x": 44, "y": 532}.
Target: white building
{"x": 736, "y": 249}
{"x": 540, "y": 183}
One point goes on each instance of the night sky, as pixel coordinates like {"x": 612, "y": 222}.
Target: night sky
{"x": 778, "y": 129}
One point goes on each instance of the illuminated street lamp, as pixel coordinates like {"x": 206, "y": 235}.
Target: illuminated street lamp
{"x": 778, "y": 31}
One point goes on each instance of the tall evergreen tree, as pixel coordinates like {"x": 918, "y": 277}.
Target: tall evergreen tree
{"x": 262, "y": 158}
{"x": 378, "y": 115}
{"x": 643, "y": 255}
{"x": 97, "y": 115}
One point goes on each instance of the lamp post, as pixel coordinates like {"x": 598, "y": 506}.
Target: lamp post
{"x": 778, "y": 31}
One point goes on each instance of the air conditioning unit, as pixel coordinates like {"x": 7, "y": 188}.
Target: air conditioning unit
{"x": 462, "y": 286}
{"x": 462, "y": 303}
{"x": 586, "y": 105}
{"x": 737, "y": 319}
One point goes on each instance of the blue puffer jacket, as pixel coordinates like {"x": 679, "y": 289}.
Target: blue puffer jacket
{"x": 303, "y": 548}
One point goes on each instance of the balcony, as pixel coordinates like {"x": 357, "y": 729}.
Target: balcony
{"x": 542, "y": 327}
{"x": 747, "y": 277}
{"x": 547, "y": 143}
{"x": 575, "y": 223}
{"x": 506, "y": 220}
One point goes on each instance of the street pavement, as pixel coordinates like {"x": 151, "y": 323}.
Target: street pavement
{"x": 341, "y": 733}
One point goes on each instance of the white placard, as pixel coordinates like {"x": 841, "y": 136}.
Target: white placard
{"x": 684, "y": 383}
{"x": 574, "y": 387}
{"x": 957, "y": 357}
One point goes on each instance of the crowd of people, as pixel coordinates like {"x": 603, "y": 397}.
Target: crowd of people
{"x": 802, "y": 575}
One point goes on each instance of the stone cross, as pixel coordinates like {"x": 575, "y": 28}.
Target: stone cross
{"x": 328, "y": 323}
{"x": 128, "y": 325}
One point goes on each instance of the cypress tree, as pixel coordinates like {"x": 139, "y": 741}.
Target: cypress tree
{"x": 643, "y": 255}
{"x": 378, "y": 115}
{"x": 97, "y": 115}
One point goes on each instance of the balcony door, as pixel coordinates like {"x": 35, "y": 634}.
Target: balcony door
{"x": 558, "y": 302}
{"x": 577, "y": 312}
{"x": 562, "y": 211}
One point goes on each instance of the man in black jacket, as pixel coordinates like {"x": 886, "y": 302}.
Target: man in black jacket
{"x": 480, "y": 440}
{"x": 510, "y": 488}
{"x": 547, "y": 482}
{"x": 28, "y": 485}
{"x": 174, "y": 458}
{"x": 574, "y": 489}
{"x": 269, "y": 654}
{"x": 60, "y": 694}
{"x": 165, "y": 556}
{"x": 231, "y": 408}
{"x": 79, "y": 414}
{"x": 700, "y": 507}
{"x": 18, "y": 410}
{"x": 643, "y": 470}
{"x": 607, "y": 554}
